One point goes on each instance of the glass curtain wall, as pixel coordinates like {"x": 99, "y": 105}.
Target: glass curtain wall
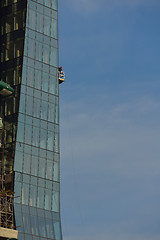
{"x": 32, "y": 131}
{"x": 12, "y": 32}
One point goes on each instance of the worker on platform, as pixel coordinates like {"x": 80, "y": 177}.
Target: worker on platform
{"x": 60, "y": 69}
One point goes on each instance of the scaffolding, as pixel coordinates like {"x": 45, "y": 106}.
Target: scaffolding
{"x": 6, "y": 195}
{"x": 6, "y": 209}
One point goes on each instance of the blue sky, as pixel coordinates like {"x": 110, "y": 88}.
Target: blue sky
{"x": 109, "y": 116}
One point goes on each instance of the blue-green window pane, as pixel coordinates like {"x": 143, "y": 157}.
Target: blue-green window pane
{"x": 49, "y": 169}
{"x": 30, "y": 77}
{"x": 23, "y": 89}
{"x": 52, "y": 85}
{"x": 57, "y": 87}
{"x": 36, "y": 111}
{"x": 17, "y": 190}
{"x": 28, "y": 134}
{"x": 25, "y": 193}
{"x": 46, "y": 25}
{"x": 47, "y": 3}
{"x": 46, "y": 54}
{"x": 20, "y": 133}
{"x": 26, "y": 178}
{"x": 50, "y": 140}
{"x": 44, "y": 110}
{"x": 56, "y": 142}
{"x": 23, "y": 75}
{"x": 54, "y": 57}
{"x": 30, "y": 33}
{"x": 56, "y": 157}
{"x": 40, "y": 197}
{"x": 48, "y": 199}
{"x": 38, "y": 78}
{"x": 36, "y": 238}
{"x": 54, "y": 14}
{"x": 53, "y": 71}
{"x": 22, "y": 103}
{"x": 34, "y": 166}
{"x": 51, "y": 112}
{"x": 25, "y": 48}
{"x": 40, "y": 1}
{"x": 20, "y": 235}
{"x": 38, "y": 51}
{"x": 18, "y": 217}
{"x": 32, "y": 19}
{"x": 26, "y": 164}
{"x": 26, "y": 223}
{"x": 57, "y": 114}
{"x": 33, "y": 196}
{"x": 56, "y": 171}
{"x": 21, "y": 117}
{"x": 43, "y": 138}
{"x": 29, "y": 105}
{"x": 49, "y": 226}
{"x": 54, "y": 4}
{"x": 18, "y": 161}
{"x": 45, "y": 82}
{"x": 33, "y": 181}
{"x": 39, "y": 22}
{"x": 57, "y": 231}
{"x": 42, "y": 227}
{"x": 56, "y": 186}
{"x": 42, "y": 163}
{"x": 41, "y": 182}
{"x": 49, "y": 184}
{"x": 28, "y": 237}
{"x": 34, "y": 225}
{"x": 54, "y": 29}
{"x": 35, "y": 136}
{"x": 18, "y": 177}
{"x": 31, "y": 48}
{"x": 55, "y": 201}
{"x": 27, "y": 149}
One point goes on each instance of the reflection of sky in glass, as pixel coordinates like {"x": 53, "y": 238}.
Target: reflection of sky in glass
{"x": 38, "y": 127}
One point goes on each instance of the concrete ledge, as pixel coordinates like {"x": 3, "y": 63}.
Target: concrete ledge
{"x": 8, "y": 233}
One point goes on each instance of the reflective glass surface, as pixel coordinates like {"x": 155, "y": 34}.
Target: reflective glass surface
{"x": 29, "y": 63}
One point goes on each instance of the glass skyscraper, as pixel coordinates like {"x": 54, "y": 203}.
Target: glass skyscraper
{"x": 30, "y": 116}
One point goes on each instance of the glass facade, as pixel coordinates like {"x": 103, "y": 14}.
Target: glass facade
{"x": 29, "y": 64}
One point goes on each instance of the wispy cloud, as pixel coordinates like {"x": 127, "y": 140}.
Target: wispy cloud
{"x": 110, "y": 131}
{"x": 113, "y": 237}
{"x": 92, "y": 6}
{"x": 113, "y": 150}
{"x": 104, "y": 130}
